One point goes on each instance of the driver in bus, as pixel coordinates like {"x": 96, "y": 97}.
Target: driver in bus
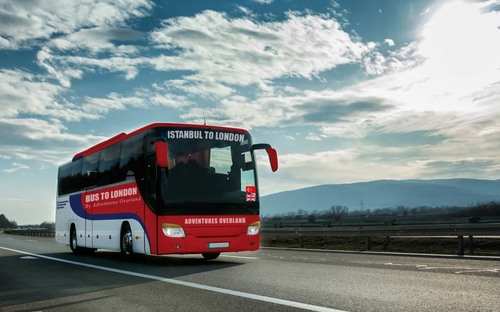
{"x": 187, "y": 177}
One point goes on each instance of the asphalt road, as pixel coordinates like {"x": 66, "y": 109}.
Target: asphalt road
{"x": 37, "y": 274}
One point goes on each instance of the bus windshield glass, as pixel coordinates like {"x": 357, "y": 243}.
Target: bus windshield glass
{"x": 209, "y": 172}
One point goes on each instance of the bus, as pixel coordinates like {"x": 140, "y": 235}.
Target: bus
{"x": 166, "y": 188}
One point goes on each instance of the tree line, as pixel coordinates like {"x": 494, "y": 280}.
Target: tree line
{"x": 5, "y": 223}
{"x": 337, "y": 213}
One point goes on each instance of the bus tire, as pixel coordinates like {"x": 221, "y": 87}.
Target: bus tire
{"x": 210, "y": 255}
{"x": 73, "y": 244}
{"x": 73, "y": 241}
{"x": 126, "y": 241}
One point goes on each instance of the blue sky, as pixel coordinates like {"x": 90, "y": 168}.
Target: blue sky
{"x": 347, "y": 91}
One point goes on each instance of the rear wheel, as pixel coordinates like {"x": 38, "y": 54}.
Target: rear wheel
{"x": 73, "y": 243}
{"x": 126, "y": 246}
{"x": 210, "y": 255}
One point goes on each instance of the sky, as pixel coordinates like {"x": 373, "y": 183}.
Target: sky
{"x": 346, "y": 91}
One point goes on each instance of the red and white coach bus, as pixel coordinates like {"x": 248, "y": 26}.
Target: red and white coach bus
{"x": 163, "y": 189}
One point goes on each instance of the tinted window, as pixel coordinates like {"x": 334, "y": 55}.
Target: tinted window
{"x": 90, "y": 170}
{"x": 109, "y": 165}
{"x": 64, "y": 177}
{"x": 75, "y": 181}
{"x": 131, "y": 155}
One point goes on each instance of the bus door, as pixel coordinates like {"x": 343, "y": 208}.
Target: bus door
{"x": 89, "y": 211}
{"x": 150, "y": 204}
{"x": 90, "y": 180}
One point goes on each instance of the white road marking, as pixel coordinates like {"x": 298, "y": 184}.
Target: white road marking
{"x": 462, "y": 270}
{"x": 29, "y": 258}
{"x": 230, "y": 292}
{"x": 240, "y": 257}
{"x": 480, "y": 271}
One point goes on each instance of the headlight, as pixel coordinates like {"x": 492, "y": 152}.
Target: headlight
{"x": 172, "y": 230}
{"x": 253, "y": 229}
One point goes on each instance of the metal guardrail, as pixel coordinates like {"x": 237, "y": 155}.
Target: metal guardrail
{"x": 466, "y": 229}
{"x": 43, "y": 233}
{"x": 423, "y": 230}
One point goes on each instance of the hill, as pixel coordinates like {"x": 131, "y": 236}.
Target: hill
{"x": 384, "y": 194}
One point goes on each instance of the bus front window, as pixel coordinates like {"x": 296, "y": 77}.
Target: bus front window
{"x": 209, "y": 177}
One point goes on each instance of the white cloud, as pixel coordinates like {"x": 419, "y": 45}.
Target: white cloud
{"x": 169, "y": 100}
{"x": 38, "y": 134}
{"x": 64, "y": 74}
{"x": 375, "y": 63}
{"x": 416, "y": 88}
{"x": 241, "y": 51}
{"x": 368, "y": 162}
{"x": 98, "y": 39}
{"x": 244, "y": 10}
{"x": 318, "y": 108}
{"x": 340, "y": 166}
{"x": 389, "y": 42}
{"x": 26, "y": 93}
{"x": 69, "y": 26}
{"x": 194, "y": 86}
{"x": 16, "y": 167}
{"x": 22, "y": 23}
{"x": 219, "y": 52}
{"x": 97, "y": 108}
{"x": 67, "y": 67}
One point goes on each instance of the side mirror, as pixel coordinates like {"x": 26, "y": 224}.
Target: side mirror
{"x": 161, "y": 149}
{"x": 273, "y": 158}
{"x": 271, "y": 153}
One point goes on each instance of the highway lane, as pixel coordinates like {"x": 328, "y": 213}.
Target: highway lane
{"x": 37, "y": 274}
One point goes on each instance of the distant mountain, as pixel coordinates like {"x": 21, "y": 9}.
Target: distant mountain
{"x": 384, "y": 194}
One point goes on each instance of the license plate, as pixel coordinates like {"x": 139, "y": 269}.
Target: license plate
{"x": 218, "y": 245}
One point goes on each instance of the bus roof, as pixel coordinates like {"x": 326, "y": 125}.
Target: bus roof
{"x": 122, "y": 136}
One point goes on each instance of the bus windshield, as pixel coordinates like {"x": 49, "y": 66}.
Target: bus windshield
{"x": 209, "y": 172}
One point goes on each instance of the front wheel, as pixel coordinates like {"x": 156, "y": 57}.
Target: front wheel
{"x": 126, "y": 246}
{"x": 210, "y": 255}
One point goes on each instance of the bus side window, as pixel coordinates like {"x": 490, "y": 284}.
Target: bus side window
{"x": 109, "y": 163}
{"x": 75, "y": 182}
{"x": 130, "y": 156}
{"x": 90, "y": 172}
{"x": 63, "y": 179}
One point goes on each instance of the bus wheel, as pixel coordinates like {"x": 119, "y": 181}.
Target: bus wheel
{"x": 73, "y": 244}
{"x": 126, "y": 241}
{"x": 210, "y": 255}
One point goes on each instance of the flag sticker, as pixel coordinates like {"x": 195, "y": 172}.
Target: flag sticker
{"x": 251, "y": 193}
{"x": 251, "y": 189}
